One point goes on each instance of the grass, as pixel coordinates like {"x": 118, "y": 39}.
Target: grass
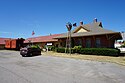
{"x": 117, "y": 60}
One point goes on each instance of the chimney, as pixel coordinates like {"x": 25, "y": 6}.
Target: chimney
{"x": 95, "y": 20}
{"x": 81, "y": 22}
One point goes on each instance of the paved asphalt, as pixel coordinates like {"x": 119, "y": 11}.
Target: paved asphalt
{"x": 47, "y": 69}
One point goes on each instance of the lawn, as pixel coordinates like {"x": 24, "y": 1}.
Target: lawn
{"x": 117, "y": 60}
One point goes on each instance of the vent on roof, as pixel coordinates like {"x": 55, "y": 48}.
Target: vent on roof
{"x": 95, "y": 20}
{"x": 100, "y": 25}
{"x": 81, "y": 22}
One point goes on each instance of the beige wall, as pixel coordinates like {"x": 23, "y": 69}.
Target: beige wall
{"x": 81, "y": 30}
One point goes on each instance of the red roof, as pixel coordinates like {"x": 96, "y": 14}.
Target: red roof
{"x": 49, "y": 38}
{"x": 2, "y": 40}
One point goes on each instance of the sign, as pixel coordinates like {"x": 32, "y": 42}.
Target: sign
{"x": 49, "y": 44}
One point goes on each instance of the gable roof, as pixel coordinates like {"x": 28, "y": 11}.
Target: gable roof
{"x": 2, "y": 40}
{"x": 48, "y": 38}
{"x": 92, "y": 29}
{"x": 80, "y": 29}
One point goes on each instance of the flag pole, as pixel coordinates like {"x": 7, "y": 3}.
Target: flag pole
{"x": 32, "y": 36}
{"x": 32, "y": 39}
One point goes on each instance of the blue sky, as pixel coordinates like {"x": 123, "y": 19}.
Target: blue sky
{"x": 18, "y": 18}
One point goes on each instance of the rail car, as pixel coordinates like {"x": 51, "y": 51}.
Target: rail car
{"x": 14, "y": 44}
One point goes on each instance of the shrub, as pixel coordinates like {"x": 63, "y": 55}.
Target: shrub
{"x": 91, "y": 51}
{"x": 100, "y": 51}
{"x": 123, "y": 46}
{"x": 60, "y": 50}
{"x": 35, "y": 46}
{"x": 76, "y": 49}
{"x": 51, "y": 48}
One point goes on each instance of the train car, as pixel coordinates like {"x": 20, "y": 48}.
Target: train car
{"x": 14, "y": 44}
{"x": 7, "y": 44}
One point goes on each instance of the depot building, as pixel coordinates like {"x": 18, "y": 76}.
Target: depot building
{"x": 92, "y": 35}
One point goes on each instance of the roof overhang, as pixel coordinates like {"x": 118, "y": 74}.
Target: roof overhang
{"x": 87, "y": 34}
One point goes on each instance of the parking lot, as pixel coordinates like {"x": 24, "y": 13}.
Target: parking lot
{"x": 47, "y": 69}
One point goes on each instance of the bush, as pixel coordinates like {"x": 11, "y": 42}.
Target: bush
{"x": 91, "y": 51}
{"x": 123, "y": 46}
{"x": 100, "y": 51}
{"x": 76, "y": 49}
{"x": 35, "y": 46}
{"x": 51, "y": 48}
{"x": 62, "y": 50}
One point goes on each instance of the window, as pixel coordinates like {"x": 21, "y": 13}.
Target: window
{"x": 88, "y": 43}
{"x": 63, "y": 44}
{"x": 79, "y": 42}
{"x": 98, "y": 43}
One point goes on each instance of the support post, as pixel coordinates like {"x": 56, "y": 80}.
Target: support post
{"x": 68, "y": 41}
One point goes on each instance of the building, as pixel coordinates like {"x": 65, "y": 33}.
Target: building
{"x": 43, "y": 40}
{"x": 2, "y": 42}
{"x": 91, "y": 35}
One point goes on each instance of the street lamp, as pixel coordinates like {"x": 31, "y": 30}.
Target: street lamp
{"x": 68, "y": 41}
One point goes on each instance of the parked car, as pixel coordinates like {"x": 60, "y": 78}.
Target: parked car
{"x": 122, "y": 49}
{"x": 30, "y": 51}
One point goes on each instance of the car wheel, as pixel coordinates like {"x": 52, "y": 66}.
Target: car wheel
{"x": 23, "y": 55}
{"x": 30, "y": 54}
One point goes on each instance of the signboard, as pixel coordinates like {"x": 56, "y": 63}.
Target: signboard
{"x": 49, "y": 44}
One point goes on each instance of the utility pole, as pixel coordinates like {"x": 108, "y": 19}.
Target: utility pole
{"x": 68, "y": 40}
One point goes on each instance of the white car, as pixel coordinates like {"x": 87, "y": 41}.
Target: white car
{"x": 122, "y": 49}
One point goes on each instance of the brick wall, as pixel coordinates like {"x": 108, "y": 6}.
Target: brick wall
{"x": 105, "y": 42}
